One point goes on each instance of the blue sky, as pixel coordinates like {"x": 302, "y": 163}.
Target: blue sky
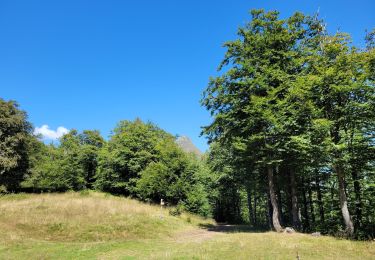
{"x": 89, "y": 64}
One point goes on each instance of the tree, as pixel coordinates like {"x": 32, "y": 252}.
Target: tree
{"x": 144, "y": 161}
{"x": 130, "y": 150}
{"x": 245, "y": 101}
{"x": 227, "y": 181}
{"x": 90, "y": 144}
{"x": 344, "y": 94}
{"x": 163, "y": 178}
{"x": 71, "y": 165}
{"x": 15, "y": 133}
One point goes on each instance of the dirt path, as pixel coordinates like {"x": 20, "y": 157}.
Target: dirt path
{"x": 205, "y": 233}
{"x": 195, "y": 235}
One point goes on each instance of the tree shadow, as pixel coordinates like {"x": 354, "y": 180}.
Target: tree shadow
{"x": 227, "y": 228}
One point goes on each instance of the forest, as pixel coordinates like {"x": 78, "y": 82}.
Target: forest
{"x": 291, "y": 139}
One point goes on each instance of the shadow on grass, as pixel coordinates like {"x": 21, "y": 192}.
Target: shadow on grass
{"x": 226, "y": 228}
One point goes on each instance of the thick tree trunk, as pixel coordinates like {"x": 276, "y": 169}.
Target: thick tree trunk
{"x": 279, "y": 203}
{"x": 344, "y": 201}
{"x": 269, "y": 211}
{"x": 296, "y": 221}
{"x": 320, "y": 201}
{"x": 358, "y": 200}
{"x": 275, "y": 210}
{"x": 250, "y": 206}
{"x": 349, "y": 228}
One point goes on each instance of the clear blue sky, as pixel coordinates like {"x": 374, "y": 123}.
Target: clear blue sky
{"x": 88, "y": 64}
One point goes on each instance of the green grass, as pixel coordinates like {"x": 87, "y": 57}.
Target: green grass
{"x": 98, "y": 226}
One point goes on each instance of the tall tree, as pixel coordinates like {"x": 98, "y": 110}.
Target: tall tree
{"x": 69, "y": 165}
{"x": 264, "y": 63}
{"x": 15, "y": 133}
{"x": 130, "y": 150}
{"x": 90, "y": 144}
{"x": 344, "y": 94}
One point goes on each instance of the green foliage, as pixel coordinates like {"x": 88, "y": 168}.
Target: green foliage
{"x": 197, "y": 201}
{"x": 176, "y": 211}
{"x": 144, "y": 161}
{"x": 292, "y": 139}
{"x": 90, "y": 144}
{"x": 69, "y": 166}
{"x": 14, "y": 139}
{"x": 130, "y": 150}
{"x": 293, "y": 99}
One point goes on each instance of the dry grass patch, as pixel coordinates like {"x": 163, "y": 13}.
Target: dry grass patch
{"x": 99, "y": 226}
{"x": 77, "y": 217}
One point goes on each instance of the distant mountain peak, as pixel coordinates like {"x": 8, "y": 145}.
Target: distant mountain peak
{"x": 187, "y": 145}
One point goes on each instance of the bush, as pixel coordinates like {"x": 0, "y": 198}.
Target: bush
{"x": 197, "y": 201}
{"x": 176, "y": 211}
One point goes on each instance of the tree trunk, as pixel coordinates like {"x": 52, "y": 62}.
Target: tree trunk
{"x": 358, "y": 200}
{"x": 250, "y": 206}
{"x": 344, "y": 201}
{"x": 296, "y": 221}
{"x": 275, "y": 210}
{"x": 269, "y": 211}
{"x": 279, "y": 203}
{"x": 320, "y": 202}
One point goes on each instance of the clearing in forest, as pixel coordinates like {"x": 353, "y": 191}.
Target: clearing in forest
{"x": 100, "y": 226}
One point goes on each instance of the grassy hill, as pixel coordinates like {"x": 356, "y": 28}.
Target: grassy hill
{"x": 99, "y": 226}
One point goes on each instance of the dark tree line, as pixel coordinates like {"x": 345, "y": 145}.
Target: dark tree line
{"x": 294, "y": 119}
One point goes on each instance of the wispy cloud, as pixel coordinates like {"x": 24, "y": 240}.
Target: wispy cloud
{"x": 49, "y": 134}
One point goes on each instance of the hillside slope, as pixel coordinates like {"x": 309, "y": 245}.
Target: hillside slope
{"x": 99, "y": 226}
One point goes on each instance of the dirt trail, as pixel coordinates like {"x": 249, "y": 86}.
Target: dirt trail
{"x": 206, "y": 233}
{"x": 195, "y": 235}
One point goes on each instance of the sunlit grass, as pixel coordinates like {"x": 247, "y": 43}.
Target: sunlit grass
{"x": 99, "y": 226}
{"x": 83, "y": 217}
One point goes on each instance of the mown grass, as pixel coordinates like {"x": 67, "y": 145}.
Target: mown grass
{"x": 99, "y": 226}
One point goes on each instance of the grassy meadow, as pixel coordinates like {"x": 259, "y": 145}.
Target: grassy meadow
{"x": 92, "y": 225}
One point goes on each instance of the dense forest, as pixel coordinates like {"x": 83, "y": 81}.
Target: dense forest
{"x": 291, "y": 141}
